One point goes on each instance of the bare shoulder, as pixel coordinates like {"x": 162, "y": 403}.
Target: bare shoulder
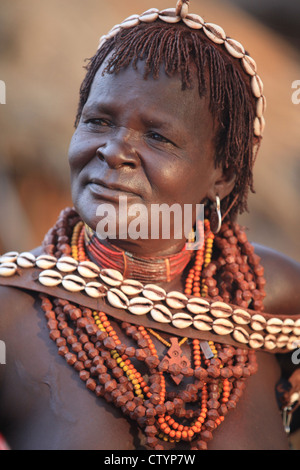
{"x": 15, "y": 306}
{"x": 13, "y": 303}
{"x": 282, "y": 274}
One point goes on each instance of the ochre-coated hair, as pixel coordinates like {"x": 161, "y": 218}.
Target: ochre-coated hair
{"x": 182, "y": 51}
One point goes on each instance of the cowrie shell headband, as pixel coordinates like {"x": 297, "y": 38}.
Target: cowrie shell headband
{"x": 213, "y": 32}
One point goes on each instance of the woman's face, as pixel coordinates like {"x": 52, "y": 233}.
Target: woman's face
{"x": 146, "y": 141}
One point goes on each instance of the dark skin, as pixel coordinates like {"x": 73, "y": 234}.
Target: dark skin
{"x": 43, "y": 404}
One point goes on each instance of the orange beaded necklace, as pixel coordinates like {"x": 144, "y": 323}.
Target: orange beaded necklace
{"x": 89, "y": 342}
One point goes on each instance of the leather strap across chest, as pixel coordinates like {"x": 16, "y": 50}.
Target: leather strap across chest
{"x": 216, "y": 321}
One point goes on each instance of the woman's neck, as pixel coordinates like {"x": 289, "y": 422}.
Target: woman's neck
{"x": 162, "y": 268}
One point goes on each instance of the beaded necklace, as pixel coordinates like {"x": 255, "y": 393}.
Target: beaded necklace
{"x": 88, "y": 340}
{"x": 166, "y": 268}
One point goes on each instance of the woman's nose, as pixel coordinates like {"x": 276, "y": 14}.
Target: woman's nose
{"x": 119, "y": 151}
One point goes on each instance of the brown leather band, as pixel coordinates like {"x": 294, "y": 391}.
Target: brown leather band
{"x": 28, "y": 280}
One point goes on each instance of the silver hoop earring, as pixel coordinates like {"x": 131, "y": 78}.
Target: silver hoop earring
{"x": 216, "y": 217}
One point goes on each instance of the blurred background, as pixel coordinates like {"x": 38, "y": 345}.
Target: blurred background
{"x": 43, "y": 46}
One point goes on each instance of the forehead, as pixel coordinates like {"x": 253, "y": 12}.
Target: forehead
{"x": 161, "y": 97}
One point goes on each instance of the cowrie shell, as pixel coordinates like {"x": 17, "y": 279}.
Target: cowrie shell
{"x": 161, "y": 314}
{"x": 270, "y": 342}
{"x": 222, "y": 326}
{"x": 258, "y": 322}
{"x": 197, "y": 305}
{"x": 88, "y": 269}
{"x": 50, "y": 278}
{"x": 257, "y": 86}
{"x": 131, "y": 21}
{"x": 293, "y": 343}
{"x": 95, "y": 289}
{"x": 176, "y": 300}
{"x": 256, "y": 340}
{"x": 184, "y": 10}
{"x": 193, "y": 21}
{"x": 241, "y": 335}
{"x": 8, "y": 269}
{"x": 73, "y": 283}
{"x": 203, "y": 322}
{"x": 26, "y": 260}
{"x": 214, "y": 32}
{"x": 294, "y": 397}
{"x": 182, "y": 320}
{"x": 234, "y": 48}
{"x": 249, "y": 65}
{"x": 67, "y": 264}
{"x": 169, "y": 15}
{"x": 154, "y": 293}
{"x": 274, "y": 325}
{"x": 220, "y": 310}
{"x": 140, "y": 305}
{"x": 282, "y": 341}
{"x": 117, "y": 298}
{"x": 149, "y": 16}
{"x": 259, "y": 126}
{"x": 46, "y": 261}
{"x": 131, "y": 287}
{"x": 261, "y": 105}
{"x": 112, "y": 277}
{"x": 296, "y": 329}
{"x": 241, "y": 317}
{"x": 287, "y": 326}
{"x": 9, "y": 257}
{"x": 113, "y": 32}
{"x": 114, "y": 28}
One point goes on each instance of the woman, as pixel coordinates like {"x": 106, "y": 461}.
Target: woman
{"x": 166, "y": 339}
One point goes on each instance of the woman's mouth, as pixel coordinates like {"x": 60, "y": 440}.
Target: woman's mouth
{"x": 110, "y": 191}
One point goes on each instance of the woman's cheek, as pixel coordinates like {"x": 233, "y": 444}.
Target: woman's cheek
{"x": 81, "y": 150}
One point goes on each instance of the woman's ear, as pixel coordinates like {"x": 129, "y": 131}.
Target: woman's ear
{"x": 223, "y": 185}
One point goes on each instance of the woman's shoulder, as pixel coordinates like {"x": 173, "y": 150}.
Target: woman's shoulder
{"x": 15, "y": 301}
{"x": 282, "y": 275}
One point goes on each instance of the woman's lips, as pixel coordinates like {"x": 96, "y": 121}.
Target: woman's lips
{"x": 110, "y": 191}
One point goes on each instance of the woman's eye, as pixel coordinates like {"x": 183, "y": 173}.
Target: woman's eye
{"x": 98, "y": 122}
{"x": 158, "y": 137}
